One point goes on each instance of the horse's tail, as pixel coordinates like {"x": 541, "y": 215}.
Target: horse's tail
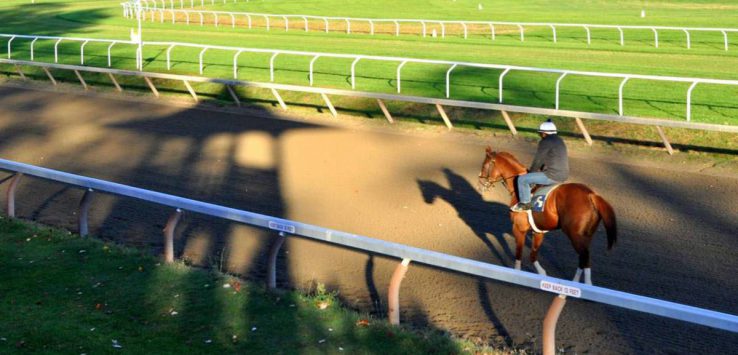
{"x": 608, "y": 218}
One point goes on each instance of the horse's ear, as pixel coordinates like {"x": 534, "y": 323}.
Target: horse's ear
{"x": 490, "y": 152}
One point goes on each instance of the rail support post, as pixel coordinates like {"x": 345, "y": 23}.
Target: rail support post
{"x": 191, "y": 90}
{"x": 10, "y": 194}
{"x": 151, "y": 86}
{"x": 115, "y": 82}
{"x": 509, "y": 122}
{"x": 233, "y": 95}
{"x": 169, "y": 235}
{"x": 665, "y": 140}
{"x": 81, "y": 80}
{"x": 582, "y": 128}
{"x": 385, "y": 111}
{"x": 329, "y": 104}
{"x": 20, "y": 72}
{"x": 549, "y": 325}
{"x": 443, "y": 114}
{"x": 279, "y": 99}
{"x": 272, "y": 262}
{"x": 84, "y": 208}
{"x": 394, "y": 291}
{"x": 51, "y": 77}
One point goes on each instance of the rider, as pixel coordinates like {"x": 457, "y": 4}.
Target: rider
{"x": 550, "y": 166}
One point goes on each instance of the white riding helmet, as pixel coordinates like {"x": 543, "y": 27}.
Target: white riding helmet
{"x": 547, "y": 127}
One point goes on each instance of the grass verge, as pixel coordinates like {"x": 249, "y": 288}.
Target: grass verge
{"x": 61, "y": 293}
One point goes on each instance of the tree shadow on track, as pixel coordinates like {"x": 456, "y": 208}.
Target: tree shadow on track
{"x": 230, "y": 159}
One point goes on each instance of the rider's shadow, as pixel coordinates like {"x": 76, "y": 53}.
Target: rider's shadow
{"x": 481, "y": 216}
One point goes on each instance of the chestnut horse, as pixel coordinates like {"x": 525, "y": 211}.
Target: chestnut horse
{"x": 573, "y": 208}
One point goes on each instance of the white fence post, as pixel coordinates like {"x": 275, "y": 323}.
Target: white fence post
{"x": 353, "y": 72}
{"x": 82, "y": 53}
{"x": 235, "y": 64}
{"x": 110, "y": 47}
{"x": 271, "y": 66}
{"x": 502, "y": 76}
{"x": 56, "y": 50}
{"x": 553, "y": 29}
{"x": 9, "y": 48}
{"x": 725, "y": 38}
{"x": 655, "y": 38}
{"x": 558, "y": 85}
{"x": 312, "y": 62}
{"x": 620, "y": 95}
{"x": 689, "y": 42}
{"x": 689, "y": 101}
{"x": 399, "y": 68}
{"x": 522, "y": 33}
{"x": 589, "y": 35}
{"x": 32, "y": 44}
{"x": 169, "y": 53}
{"x": 448, "y": 80}
{"x": 202, "y": 52}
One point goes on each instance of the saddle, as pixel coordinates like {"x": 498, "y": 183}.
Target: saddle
{"x": 539, "y": 195}
{"x": 538, "y": 201}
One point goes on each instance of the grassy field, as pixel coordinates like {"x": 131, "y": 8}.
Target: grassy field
{"x": 706, "y": 59}
{"x": 67, "y": 295}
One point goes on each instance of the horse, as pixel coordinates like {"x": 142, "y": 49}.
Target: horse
{"x": 574, "y": 208}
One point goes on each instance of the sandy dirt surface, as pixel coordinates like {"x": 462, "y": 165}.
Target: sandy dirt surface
{"x": 678, "y": 230}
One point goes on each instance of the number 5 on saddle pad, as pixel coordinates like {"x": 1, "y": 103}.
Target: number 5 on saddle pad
{"x": 538, "y": 200}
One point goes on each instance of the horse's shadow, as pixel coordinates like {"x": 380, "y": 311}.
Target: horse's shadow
{"x": 483, "y": 218}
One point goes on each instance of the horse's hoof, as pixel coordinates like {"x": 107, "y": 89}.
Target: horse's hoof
{"x": 518, "y": 264}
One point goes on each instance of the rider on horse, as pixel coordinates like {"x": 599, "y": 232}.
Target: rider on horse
{"x": 550, "y": 166}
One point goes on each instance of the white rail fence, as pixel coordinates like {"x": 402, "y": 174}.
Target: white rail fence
{"x": 407, "y": 254}
{"x": 163, "y": 14}
{"x": 401, "y": 62}
{"x": 380, "y": 98}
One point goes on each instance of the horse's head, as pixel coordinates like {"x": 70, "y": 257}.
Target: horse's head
{"x": 490, "y": 173}
{"x": 498, "y": 167}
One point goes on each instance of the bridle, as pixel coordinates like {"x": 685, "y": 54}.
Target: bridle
{"x": 485, "y": 183}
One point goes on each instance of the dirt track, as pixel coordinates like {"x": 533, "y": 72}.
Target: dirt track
{"x": 678, "y": 230}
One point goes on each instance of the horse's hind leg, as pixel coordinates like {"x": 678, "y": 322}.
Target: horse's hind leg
{"x": 584, "y": 264}
{"x": 537, "y": 241}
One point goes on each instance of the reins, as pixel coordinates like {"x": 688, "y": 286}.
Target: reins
{"x": 487, "y": 183}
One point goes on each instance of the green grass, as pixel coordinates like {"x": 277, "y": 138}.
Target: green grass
{"x": 707, "y": 59}
{"x": 64, "y": 294}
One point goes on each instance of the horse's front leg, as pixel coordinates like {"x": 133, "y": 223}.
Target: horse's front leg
{"x": 537, "y": 241}
{"x": 519, "y": 234}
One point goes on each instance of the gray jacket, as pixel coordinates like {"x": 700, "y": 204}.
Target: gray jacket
{"x": 552, "y": 158}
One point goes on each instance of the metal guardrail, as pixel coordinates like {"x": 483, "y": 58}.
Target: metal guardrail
{"x": 380, "y": 97}
{"x": 171, "y": 11}
{"x": 505, "y": 69}
{"x": 405, "y": 253}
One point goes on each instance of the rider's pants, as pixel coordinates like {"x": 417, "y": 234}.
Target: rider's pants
{"x": 526, "y": 181}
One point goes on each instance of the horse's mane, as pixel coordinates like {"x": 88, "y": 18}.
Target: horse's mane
{"x": 511, "y": 160}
